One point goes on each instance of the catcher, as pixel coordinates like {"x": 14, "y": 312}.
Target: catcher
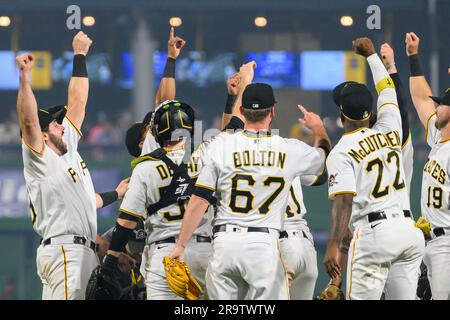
{"x": 160, "y": 186}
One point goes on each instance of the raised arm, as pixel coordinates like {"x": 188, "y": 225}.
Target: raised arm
{"x": 418, "y": 85}
{"x": 27, "y": 106}
{"x": 246, "y": 73}
{"x": 387, "y": 55}
{"x": 167, "y": 86}
{"x": 232, "y": 92}
{"x": 79, "y": 83}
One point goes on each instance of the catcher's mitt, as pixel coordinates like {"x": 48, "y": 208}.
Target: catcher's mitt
{"x": 103, "y": 285}
{"x": 180, "y": 279}
{"x": 331, "y": 292}
{"x": 424, "y": 226}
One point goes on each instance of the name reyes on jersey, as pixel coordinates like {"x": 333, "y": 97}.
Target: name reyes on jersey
{"x": 435, "y": 170}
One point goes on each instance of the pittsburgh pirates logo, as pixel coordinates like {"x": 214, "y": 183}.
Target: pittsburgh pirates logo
{"x": 332, "y": 180}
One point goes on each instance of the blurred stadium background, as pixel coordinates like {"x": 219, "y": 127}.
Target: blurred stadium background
{"x": 301, "y": 48}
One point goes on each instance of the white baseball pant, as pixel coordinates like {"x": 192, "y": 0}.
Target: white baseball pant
{"x": 437, "y": 260}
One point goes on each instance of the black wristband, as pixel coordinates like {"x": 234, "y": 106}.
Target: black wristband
{"x": 109, "y": 197}
{"x": 414, "y": 66}
{"x": 229, "y": 105}
{"x": 169, "y": 69}
{"x": 79, "y": 66}
{"x": 119, "y": 238}
{"x": 110, "y": 262}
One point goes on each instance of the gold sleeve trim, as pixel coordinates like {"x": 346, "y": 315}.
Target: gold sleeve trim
{"x": 74, "y": 126}
{"x": 33, "y": 149}
{"x": 387, "y": 104}
{"x": 426, "y": 127}
{"x": 205, "y": 187}
{"x": 131, "y": 213}
{"x": 331, "y": 195}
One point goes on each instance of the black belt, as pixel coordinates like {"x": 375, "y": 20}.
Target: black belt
{"x": 378, "y": 215}
{"x": 173, "y": 240}
{"x": 76, "y": 240}
{"x": 223, "y": 227}
{"x": 284, "y": 234}
{"x": 438, "y": 232}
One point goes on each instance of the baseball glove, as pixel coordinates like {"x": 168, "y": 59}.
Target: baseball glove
{"x": 103, "y": 285}
{"x": 331, "y": 292}
{"x": 180, "y": 279}
{"x": 424, "y": 226}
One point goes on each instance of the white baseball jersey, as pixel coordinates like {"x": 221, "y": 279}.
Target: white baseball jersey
{"x": 62, "y": 196}
{"x": 435, "y": 202}
{"x": 251, "y": 174}
{"x": 368, "y": 162}
{"x": 408, "y": 164}
{"x": 147, "y": 180}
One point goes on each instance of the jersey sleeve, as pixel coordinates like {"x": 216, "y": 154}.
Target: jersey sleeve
{"x": 72, "y": 134}
{"x": 135, "y": 200}
{"x": 341, "y": 176}
{"x": 308, "y": 160}
{"x": 432, "y": 134}
{"x": 36, "y": 164}
{"x": 209, "y": 173}
{"x": 308, "y": 180}
{"x": 388, "y": 113}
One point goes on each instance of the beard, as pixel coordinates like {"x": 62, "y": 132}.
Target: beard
{"x": 59, "y": 144}
{"x": 441, "y": 122}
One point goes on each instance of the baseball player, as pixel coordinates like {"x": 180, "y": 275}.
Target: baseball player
{"x": 160, "y": 185}
{"x": 62, "y": 196}
{"x": 366, "y": 181}
{"x": 250, "y": 173}
{"x": 387, "y": 55}
{"x": 435, "y": 201}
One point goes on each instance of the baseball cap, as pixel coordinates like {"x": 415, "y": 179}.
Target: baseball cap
{"x": 46, "y": 116}
{"x": 354, "y": 100}
{"x": 258, "y": 96}
{"x": 445, "y": 99}
{"x": 133, "y": 135}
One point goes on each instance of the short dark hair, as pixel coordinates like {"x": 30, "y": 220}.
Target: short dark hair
{"x": 255, "y": 115}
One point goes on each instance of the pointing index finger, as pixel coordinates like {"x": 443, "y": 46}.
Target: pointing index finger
{"x": 302, "y": 109}
{"x": 171, "y": 36}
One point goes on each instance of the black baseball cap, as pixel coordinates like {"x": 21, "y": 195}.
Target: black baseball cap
{"x": 134, "y": 134}
{"x": 354, "y": 99}
{"x": 258, "y": 96}
{"x": 46, "y": 116}
{"x": 445, "y": 99}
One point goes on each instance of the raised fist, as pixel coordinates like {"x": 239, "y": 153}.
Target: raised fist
{"x": 233, "y": 84}
{"x": 363, "y": 47}
{"x": 81, "y": 43}
{"x": 247, "y": 71}
{"x": 387, "y": 54}
{"x": 174, "y": 45}
{"x": 412, "y": 43}
{"x": 25, "y": 62}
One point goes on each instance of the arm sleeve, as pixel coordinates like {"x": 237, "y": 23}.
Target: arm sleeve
{"x": 36, "y": 165}
{"x": 401, "y": 99}
{"x": 308, "y": 160}
{"x": 388, "y": 114}
{"x": 341, "y": 177}
{"x": 432, "y": 134}
{"x": 135, "y": 201}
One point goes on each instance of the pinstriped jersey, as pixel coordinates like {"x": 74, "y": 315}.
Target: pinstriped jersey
{"x": 435, "y": 196}
{"x": 147, "y": 181}
{"x": 251, "y": 173}
{"x": 62, "y": 196}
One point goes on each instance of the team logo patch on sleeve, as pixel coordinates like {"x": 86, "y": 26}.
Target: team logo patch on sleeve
{"x": 332, "y": 180}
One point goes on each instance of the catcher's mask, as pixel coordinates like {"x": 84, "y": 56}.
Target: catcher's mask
{"x": 170, "y": 116}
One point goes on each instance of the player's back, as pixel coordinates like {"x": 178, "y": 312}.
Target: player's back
{"x": 149, "y": 180}
{"x": 370, "y": 167}
{"x": 251, "y": 173}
